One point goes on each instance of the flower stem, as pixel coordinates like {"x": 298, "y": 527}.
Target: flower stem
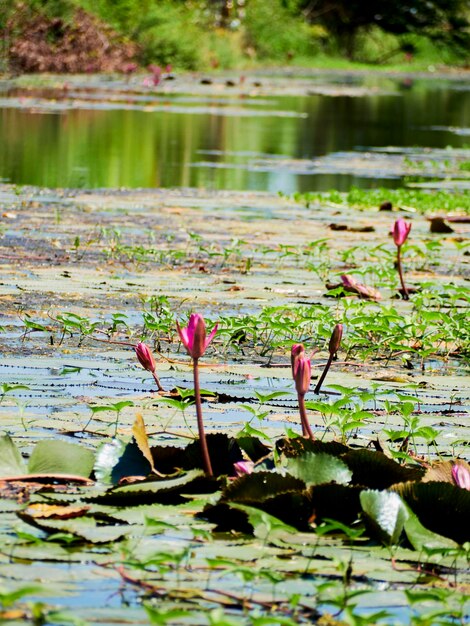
{"x": 200, "y": 426}
{"x": 157, "y": 380}
{"x": 324, "y": 373}
{"x": 400, "y": 273}
{"x": 306, "y": 430}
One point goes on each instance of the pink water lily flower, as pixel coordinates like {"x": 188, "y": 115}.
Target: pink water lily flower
{"x": 193, "y": 337}
{"x": 461, "y": 476}
{"x": 302, "y": 375}
{"x": 145, "y": 357}
{"x": 401, "y": 230}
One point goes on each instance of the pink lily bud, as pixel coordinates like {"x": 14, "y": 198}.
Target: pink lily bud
{"x": 243, "y": 467}
{"x": 193, "y": 337}
{"x": 145, "y": 357}
{"x": 335, "y": 340}
{"x": 297, "y": 352}
{"x": 401, "y": 230}
{"x": 461, "y": 476}
{"x": 302, "y": 375}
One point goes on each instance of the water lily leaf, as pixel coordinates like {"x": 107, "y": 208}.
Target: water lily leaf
{"x": 224, "y": 451}
{"x": 55, "y": 511}
{"x": 83, "y": 527}
{"x": 131, "y": 463}
{"x": 316, "y": 469}
{"x": 254, "y": 488}
{"x": 60, "y": 457}
{"x": 167, "y": 491}
{"x": 107, "y": 457}
{"x": 253, "y": 447}
{"x": 265, "y": 526}
{"x": 290, "y": 447}
{"x": 441, "y": 507}
{"x": 375, "y": 470}
{"x": 141, "y": 439}
{"x": 385, "y": 512}
{"x": 11, "y": 461}
{"x": 332, "y": 501}
{"x": 423, "y": 539}
{"x": 168, "y": 459}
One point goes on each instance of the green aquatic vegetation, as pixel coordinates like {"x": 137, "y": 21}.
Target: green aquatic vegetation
{"x": 438, "y": 201}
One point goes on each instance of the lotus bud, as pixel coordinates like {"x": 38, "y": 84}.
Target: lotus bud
{"x": 145, "y": 357}
{"x": 461, "y": 476}
{"x": 243, "y": 467}
{"x": 401, "y": 230}
{"x": 335, "y": 340}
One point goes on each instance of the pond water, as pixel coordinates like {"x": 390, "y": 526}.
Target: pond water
{"x": 224, "y": 140}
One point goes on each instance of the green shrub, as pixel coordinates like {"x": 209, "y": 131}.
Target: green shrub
{"x": 273, "y": 32}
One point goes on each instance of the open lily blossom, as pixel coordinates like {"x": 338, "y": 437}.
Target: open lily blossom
{"x": 461, "y": 476}
{"x": 193, "y": 337}
{"x": 401, "y": 230}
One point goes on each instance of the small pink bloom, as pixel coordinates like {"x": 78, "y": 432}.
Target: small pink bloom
{"x": 243, "y": 467}
{"x": 461, "y": 476}
{"x": 194, "y": 337}
{"x": 145, "y": 357}
{"x": 401, "y": 230}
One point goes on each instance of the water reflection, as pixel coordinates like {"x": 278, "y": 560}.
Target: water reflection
{"x": 136, "y": 148}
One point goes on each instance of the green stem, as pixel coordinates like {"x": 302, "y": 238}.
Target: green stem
{"x": 323, "y": 376}
{"x": 200, "y": 426}
{"x": 306, "y": 430}
{"x": 400, "y": 273}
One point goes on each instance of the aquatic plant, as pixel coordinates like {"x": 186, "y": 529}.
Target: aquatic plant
{"x": 301, "y": 372}
{"x": 194, "y": 339}
{"x": 401, "y": 230}
{"x": 145, "y": 358}
{"x": 333, "y": 347}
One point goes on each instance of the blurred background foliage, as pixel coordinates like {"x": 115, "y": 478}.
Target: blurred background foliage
{"x": 115, "y": 35}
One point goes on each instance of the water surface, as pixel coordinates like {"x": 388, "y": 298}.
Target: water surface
{"x": 221, "y": 141}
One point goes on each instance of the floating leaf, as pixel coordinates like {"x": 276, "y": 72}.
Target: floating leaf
{"x": 316, "y": 469}
{"x": 442, "y": 471}
{"x": 107, "y": 457}
{"x": 256, "y": 487}
{"x": 60, "y": 457}
{"x": 385, "y": 512}
{"x": 375, "y": 470}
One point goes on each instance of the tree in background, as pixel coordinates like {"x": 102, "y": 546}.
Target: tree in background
{"x": 442, "y": 21}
